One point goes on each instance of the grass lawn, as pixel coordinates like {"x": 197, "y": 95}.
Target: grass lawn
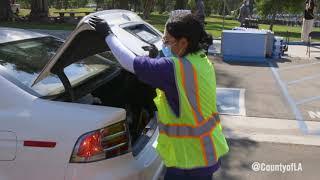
{"x": 214, "y": 24}
{"x": 34, "y": 25}
{"x": 53, "y": 11}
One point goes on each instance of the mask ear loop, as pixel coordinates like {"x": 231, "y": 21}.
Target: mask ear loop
{"x": 180, "y": 52}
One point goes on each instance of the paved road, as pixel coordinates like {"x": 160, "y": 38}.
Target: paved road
{"x": 263, "y": 97}
{"x": 237, "y": 165}
{"x": 287, "y": 88}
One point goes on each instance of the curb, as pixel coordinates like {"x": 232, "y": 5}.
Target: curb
{"x": 269, "y": 130}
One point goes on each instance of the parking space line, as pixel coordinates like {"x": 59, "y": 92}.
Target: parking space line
{"x": 302, "y": 125}
{"x": 303, "y": 101}
{"x": 242, "y": 103}
{"x": 224, "y": 106}
{"x": 298, "y": 66}
{"x": 303, "y": 79}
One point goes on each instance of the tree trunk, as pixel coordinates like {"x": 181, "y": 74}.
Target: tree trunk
{"x": 135, "y": 6}
{"x": 113, "y": 4}
{"x": 147, "y": 8}
{"x": 163, "y": 6}
{"x": 124, "y": 4}
{"x": 5, "y": 10}
{"x": 272, "y": 21}
{"x": 39, "y": 10}
{"x": 180, "y": 4}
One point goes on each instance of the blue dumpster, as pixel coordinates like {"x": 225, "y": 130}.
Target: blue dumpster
{"x": 246, "y": 45}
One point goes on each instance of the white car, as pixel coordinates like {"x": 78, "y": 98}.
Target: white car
{"x": 69, "y": 111}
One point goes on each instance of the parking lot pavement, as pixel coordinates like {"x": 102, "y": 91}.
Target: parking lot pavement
{"x": 298, "y": 51}
{"x": 302, "y": 83}
{"x": 254, "y": 160}
{"x": 245, "y": 155}
{"x": 287, "y": 88}
{"x": 263, "y": 97}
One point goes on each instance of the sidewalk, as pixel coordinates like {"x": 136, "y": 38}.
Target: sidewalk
{"x": 270, "y": 130}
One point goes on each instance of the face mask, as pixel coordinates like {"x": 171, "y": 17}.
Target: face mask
{"x": 166, "y": 50}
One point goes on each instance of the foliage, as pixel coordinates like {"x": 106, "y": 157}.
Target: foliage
{"x": 270, "y": 7}
{"x": 274, "y": 7}
{"x": 192, "y": 4}
{"x": 5, "y": 10}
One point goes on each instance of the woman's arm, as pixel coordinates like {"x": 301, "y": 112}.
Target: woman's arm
{"x": 124, "y": 56}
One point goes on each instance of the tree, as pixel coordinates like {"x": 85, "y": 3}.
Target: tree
{"x": 39, "y": 10}
{"x": 274, "y": 7}
{"x": 147, "y": 8}
{"x": 99, "y": 3}
{"x": 192, "y": 5}
{"x": 5, "y": 10}
{"x": 24, "y": 4}
{"x": 124, "y": 4}
{"x": 181, "y": 4}
{"x": 162, "y": 4}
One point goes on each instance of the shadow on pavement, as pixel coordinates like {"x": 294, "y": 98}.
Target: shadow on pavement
{"x": 229, "y": 80}
{"x": 249, "y": 64}
{"x": 237, "y": 158}
{"x": 282, "y": 60}
{"x": 232, "y": 160}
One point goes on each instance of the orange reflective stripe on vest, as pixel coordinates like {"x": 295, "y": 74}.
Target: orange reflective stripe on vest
{"x": 203, "y": 133}
{"x": 190, "y": 131}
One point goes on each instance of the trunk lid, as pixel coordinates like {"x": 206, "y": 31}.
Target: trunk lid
{"x": 84, "y": 41}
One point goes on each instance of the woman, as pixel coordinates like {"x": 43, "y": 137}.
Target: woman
{"x": 191, "y": 141}
{"x": 308, "y": 20}
{"x": 244, "y": 12}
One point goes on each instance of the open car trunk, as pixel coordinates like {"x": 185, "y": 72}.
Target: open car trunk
{"x": 116, "y": 89}
{"x": 127, "y": 92}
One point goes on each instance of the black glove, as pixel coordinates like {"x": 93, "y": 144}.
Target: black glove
{"x": 153, "y": 50}
{"x": 100, "y": 25}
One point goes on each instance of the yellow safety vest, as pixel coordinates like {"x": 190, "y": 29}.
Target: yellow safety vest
{"x": 195, "y": 138}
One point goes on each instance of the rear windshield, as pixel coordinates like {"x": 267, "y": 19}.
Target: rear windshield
{"x": 24, "y": 60}
{"x": 143, "y": 32}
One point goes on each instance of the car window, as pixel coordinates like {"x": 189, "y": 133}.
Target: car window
{"x": 143, "y": 32}
{"x": 24, "y": 60}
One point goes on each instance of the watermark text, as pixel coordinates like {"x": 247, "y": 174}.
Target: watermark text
{"x": 281, "y": 167}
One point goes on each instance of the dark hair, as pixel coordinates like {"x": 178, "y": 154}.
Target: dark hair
{"x": 187, "y": 26}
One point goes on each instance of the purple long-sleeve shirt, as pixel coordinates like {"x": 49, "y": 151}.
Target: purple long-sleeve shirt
{"x": 159, "y": 73}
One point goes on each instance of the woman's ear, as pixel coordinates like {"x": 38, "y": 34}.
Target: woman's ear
{"x": 183, "y": 45}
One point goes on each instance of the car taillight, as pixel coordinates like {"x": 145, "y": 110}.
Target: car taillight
{"x": 101, "y": 144}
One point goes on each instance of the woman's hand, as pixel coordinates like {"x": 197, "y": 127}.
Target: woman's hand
{"x": 100, "y": 25}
